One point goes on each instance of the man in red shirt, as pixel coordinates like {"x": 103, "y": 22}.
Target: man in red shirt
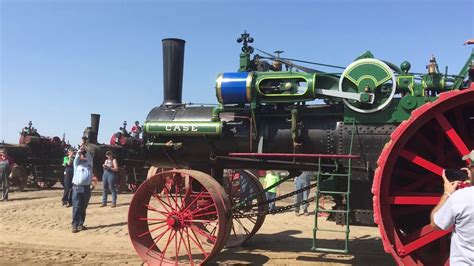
{"x": 136, "y": 130}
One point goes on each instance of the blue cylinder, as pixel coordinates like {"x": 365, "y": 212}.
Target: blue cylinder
{"x": 234, "y": 88}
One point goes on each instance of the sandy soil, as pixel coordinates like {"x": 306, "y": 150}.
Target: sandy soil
{"x": 35, "y": 229}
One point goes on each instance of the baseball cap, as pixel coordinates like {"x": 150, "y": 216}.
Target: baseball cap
{"x": 469, "y": 156}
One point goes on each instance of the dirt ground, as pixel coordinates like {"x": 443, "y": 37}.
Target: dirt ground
{"x": 35, "y": 229}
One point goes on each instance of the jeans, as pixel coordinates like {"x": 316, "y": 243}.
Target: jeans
{"x": 109, "y": 181}
{"x": 67, "y": 194}
{"x": 270, "y": 196}
{"x": 299, "y": 184}
{"x": 4, "y": 187}
{"x": 80, "y": 200}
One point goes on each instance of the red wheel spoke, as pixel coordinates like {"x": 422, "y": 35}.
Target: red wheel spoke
{"x": 158, "y": 198}
{"x": 153, "y": 230}
{"x": 155, "y": 223}
{"x": 427, "y": 229}
{"x": 168, "y": 197}
{"x": 180, "y": 197}
{"x": 452, "y": 135}
{"x": 202, "y": 233}
{"x": 176, "y": 248}
{"x": 421, "y": 242}
{"x": 151, "y": 208}
{"x": 175, "y": 203}
{"x": 163, "y": 253}
{"x": 206, "y": 213}
{"x": 420, "y": 161}
{"x": 200, "y": 221}
{"x": 202, "y": 209}
{"x": 414, "y": 200}
{"x": 186, "y": 247}
{"x": 150, "y": 219}
{"x": 198, "y": 244}
{"x": 156, "y": 239}
{"x": 192, "y": 202}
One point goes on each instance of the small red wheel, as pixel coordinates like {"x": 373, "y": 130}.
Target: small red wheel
{"x": 179, "y": 217}
{"x": 408, "y": 184}
{"x": 241, "y": 185}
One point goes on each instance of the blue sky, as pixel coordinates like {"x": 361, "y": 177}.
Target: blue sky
{"x": 60, "y": 61}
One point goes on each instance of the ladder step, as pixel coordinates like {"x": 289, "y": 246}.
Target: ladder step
{"x": 331, "y": 174}
{"x": 334, "y": 211}
{"x": 333, "y": 250}
{"x": 331, "y": 192}
{"x": 331, "y": 230}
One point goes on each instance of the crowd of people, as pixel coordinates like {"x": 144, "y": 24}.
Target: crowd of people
{"x": 271, "y": 184}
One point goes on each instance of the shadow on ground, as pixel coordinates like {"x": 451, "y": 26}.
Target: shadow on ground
{"x": 20, "y": 199}
{"x": 106, "y": 225}
{"x": 364, "y": 250}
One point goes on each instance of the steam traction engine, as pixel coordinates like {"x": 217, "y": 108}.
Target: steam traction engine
{"x": 381, "y": 129}
{"x": 128, "y": 152}
{"x": 38, "y": 159}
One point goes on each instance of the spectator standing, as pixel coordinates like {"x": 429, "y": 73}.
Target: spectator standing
{"x": 271, "y": 178}
{"x": 81, "y": 188}
{"x": 301, "y": 181}
{"x": 5, "y": 170}
{"x": 136, "y": 130}
{"x": 456, "y": 208}
{"x": 109, "y": 179}
{"x": 68, "y": 175}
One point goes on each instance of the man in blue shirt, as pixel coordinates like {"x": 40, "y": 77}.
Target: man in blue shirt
{"x": 81, "y": 190}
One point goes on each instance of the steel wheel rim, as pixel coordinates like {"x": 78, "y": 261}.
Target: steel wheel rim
{"x": 401, "y": 207}
{"x": 159, "y": 218}
{"x": 242, "y": 229}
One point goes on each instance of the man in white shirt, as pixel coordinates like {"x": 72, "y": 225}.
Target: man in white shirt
{"x": 456, "y": 208}
{"x": 81, "y": 190}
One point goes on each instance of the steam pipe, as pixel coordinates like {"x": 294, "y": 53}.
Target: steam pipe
{"x": 95, "y": 120}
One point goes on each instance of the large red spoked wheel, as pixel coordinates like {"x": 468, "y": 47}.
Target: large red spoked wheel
{"x": 408, "y": 184}
{"x": 241, "y": 185}
{"x": 179, "y": 217}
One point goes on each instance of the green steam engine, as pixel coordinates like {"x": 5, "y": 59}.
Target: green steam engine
{"x": 375, "y": 127}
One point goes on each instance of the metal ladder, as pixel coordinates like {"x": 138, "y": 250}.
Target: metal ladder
{"x": 320, "y": 194}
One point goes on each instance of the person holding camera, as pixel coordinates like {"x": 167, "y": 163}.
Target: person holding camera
{"x": 109, "y": 179}
{"x": 456, "y": 208}
{"x": 81, "y": 188}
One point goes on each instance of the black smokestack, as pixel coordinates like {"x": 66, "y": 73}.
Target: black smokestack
{"x": 95, "y": 120}
{"x": 173, "y": 62}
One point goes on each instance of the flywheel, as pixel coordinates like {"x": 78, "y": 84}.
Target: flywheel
{"x": 372, "y": 76}
{"x": 408, "y": 184}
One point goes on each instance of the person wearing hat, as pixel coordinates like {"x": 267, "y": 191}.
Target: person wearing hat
{"x": 5, "y": 170}
{"x": 456, "y": 208}
{"x": 109, "y": 179}
{"x": 81, "y": 188}
{"x": 68, "y": 174}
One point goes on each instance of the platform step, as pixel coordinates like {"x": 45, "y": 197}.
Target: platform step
{"x": 330, "y": 250}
